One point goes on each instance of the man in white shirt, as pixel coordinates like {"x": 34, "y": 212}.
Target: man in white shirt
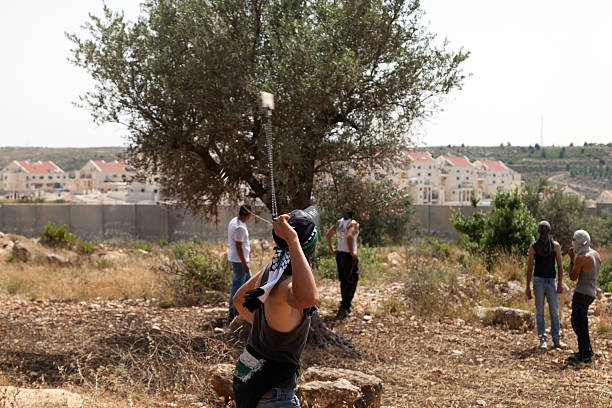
{"x": 239, "y": 250}
{"x": 347, "y": 231}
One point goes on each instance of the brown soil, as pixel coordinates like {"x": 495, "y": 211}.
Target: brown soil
{"x": 119, "y": 345}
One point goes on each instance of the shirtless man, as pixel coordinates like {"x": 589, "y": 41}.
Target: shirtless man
{"x": 278, "y": 301}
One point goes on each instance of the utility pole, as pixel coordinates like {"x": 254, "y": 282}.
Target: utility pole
{"x": 542, "y": 130}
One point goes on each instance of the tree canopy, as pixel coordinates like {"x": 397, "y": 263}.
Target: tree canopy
{"x": 350, "y": 79}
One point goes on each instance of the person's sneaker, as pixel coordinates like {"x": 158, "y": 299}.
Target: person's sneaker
{"x": 543, "y": 344}
{"x": 560, "y": 345}
{"x": 342, "y": 313}
{"x": 578, "y": 358}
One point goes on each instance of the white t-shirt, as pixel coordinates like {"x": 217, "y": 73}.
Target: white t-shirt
{"x": 341, "y": 232}
{"x": 237, "y": 231}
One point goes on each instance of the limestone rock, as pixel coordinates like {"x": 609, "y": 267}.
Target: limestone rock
{"x": 57, "y": 260}
{"x": 370, "y": 386}
{"x": 36, "y": 398}
{"x": 21, "y": 253}
{"x": 328, "y": 394}
{"x": 512, "y": 318}
{"x": 221, "y": 378}
{"x": 112, "y": 256}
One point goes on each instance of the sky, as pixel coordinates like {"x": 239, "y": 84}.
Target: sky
{"x": 537, "y": 69}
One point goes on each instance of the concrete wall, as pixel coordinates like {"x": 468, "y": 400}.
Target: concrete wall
{"x": 151, "y": 222}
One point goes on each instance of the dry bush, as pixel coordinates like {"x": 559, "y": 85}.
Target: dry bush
{"x": 508, "y": 267}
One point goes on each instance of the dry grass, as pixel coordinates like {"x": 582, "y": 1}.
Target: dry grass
{"x": 134, "y": 278}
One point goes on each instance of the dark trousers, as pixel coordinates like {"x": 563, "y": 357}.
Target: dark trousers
{"x": 580, "y": 322}
{"x": 348, "y": 274}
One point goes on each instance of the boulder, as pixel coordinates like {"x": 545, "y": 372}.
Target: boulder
{"x": 512, "y": 318}
{"x": 35, "y": 398}
{"x": 57, "y": 260}
{"x": 220, "y": 378}
{"x": 1, "y": 234}
{"x": 21, "y": 253}
{"x": 511, "y": 289}
{"x": 112, "y": 256}
{"x": 370, "y": 386}
{"x": 328, "y": 394}
{"x": 7, "y": 244}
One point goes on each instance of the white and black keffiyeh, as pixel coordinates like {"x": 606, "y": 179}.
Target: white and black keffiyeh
{"x": 281, "y": 264}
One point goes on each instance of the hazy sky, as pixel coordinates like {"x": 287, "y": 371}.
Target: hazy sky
{"x": 528, "y": 59}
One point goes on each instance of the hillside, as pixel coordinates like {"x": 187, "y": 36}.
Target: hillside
{"x": 69, "y": 159}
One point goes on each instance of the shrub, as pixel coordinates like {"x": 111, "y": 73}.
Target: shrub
{"x": 508, "y": 226}
{"x": 162, "y": 242}
{"x": 195, "y": 270}
{"x": 103, "y": 264}
{"x": 56, "y": 235}
{"x": 84, "y": 248}
{"x": 385, "y": 212}
{"x": 605, "y": 276}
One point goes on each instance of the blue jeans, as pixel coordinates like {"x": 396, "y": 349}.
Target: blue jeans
{"x": 279, "y": 398}
{"x": 546, "y": 288}
{"x": 238, "y": 280}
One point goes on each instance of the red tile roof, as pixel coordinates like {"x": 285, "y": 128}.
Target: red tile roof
{"x": 494, "y": 165}
{"x": 40, "y": 167}
{"x": 460, "y": 161}
{"x": 114, "y": 167}
{"x": 419, "y": 156}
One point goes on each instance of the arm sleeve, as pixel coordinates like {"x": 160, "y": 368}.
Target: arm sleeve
{"x": 239, "y": 235}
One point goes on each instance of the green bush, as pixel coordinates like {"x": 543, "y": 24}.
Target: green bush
{"x": 162, "y": 242}
{"x": 384, "y": 211}
{"x": 103, "y": 264}
{"x": 196, "y": 269}
{"x": 605, "y": 276}
{"x": 508, "y": 226}
{"x": 83, "y": 247}
{"x": 57, "y": 236}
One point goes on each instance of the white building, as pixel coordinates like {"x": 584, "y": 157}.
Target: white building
{"x": 493, "y": 176}
{"x": 457, "y": 179}
{"x": 29, "y": 178}
{"x": 420, "y": 175}
{"x": 605, "y": 197}
{"x": 103, "y": 176}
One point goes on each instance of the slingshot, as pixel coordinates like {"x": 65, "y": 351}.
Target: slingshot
{"x": 265, "y": 101}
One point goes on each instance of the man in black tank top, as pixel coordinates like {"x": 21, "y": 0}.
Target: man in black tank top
{"x": 545, "y": 252}
{"x": 278, "y": 302}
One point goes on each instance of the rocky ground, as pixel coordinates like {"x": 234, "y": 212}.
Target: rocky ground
{"x": 105, "y": 345}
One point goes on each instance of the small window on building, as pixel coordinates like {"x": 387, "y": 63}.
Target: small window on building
{"x": 419, "y": 174}
{"x": 429, "y": 174}
{"x": 457, "y": 177}
{"x": 142, "y": 190}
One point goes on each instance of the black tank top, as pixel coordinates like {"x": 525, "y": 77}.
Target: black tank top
{"x": 277, "y": 346}
{"x": 545, "y": 266}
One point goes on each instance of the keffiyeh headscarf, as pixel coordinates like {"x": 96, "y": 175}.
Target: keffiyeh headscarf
{"x": 581, "y": 242}
{"x": 304, "y": 222}
{"x": 544, "y": 246}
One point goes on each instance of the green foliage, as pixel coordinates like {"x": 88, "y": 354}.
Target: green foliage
{"x": 384, "y": 212}
{"x": 350, "y": 78}
{"x": 144, "y": 246}
{"x": 162, "y": 242}
{"x": 605, "y": 276}
{"x": 83, "y": 247}
{"x": 29, "y": 200}
{"x": 197, "y": 269}
{"x": 565, "y": 212}
{"x": 57, "y": 236}
{"x": 508, "y": 226}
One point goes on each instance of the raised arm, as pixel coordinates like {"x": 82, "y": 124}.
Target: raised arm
{"x": 303, "y": 291}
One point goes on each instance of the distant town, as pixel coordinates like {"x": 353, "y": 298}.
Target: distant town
{"x": 445, "y": 180}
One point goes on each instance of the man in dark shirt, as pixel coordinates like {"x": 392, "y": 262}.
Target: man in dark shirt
{"x": 546, "y": 252}
{"x": 278, "y": 301}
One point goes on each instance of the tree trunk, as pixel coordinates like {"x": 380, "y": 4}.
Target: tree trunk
{"x": 321, "y": 336}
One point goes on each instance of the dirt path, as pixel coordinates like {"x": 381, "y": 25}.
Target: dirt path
{"x": 422, "y": 362}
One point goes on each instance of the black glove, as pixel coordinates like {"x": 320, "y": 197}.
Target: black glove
{"x": 251, "y": 300}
